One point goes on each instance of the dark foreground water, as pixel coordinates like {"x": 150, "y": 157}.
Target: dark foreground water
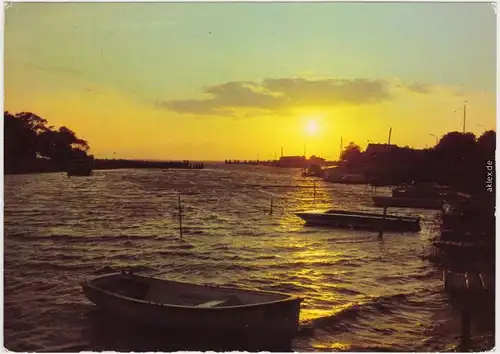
{"x": 361, "y": 293}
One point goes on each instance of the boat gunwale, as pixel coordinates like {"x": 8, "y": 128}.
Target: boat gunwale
{"x": 289, "y": 298}
{"x": 374, "y": 216}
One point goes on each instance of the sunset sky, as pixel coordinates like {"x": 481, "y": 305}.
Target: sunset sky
{"x": 210, "y": 81}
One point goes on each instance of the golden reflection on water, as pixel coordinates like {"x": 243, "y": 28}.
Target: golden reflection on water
{"x": 290, "y": 223}
{"x": 229, "y": 239}
{"x": 309, "y": 314}
{"x": 332, "y": 346}
{"x": 314, "y": 280}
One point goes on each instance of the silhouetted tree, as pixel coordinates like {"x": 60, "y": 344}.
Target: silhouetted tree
{"x": 457, "y": 146}
{"x": 31, "y": 146}
{"x": 486, "y": 144}
{"x": 458, "y": 160}
{"x": 352, "y": 154}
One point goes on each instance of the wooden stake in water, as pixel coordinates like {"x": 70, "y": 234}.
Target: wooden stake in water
{"x": 271, "y": 207}
{"x": 380, "y": 234}
{"x": 466, "y": 327}
{"x": 180, "y": 217}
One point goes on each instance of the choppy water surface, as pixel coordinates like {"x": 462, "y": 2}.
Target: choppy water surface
{"x": 360, "y": 292}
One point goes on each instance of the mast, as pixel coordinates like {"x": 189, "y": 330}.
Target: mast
{"x": 340, "y": 153}
{"x": 465, "y": 115}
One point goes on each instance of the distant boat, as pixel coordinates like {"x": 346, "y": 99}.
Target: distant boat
{"x": 420, "y": 190}
{"x": 341, "y": 175}
{"x": 177, "y": 305}
{"x": 80, "y": 167}
{"x": 360, "y": 220}
{"x": 353, "y": 178}
{"x": 313, "y": 171}
{"x": 418, "y": 203}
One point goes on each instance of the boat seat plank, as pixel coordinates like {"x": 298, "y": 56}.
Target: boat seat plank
{"x": 211, "y": 303}
{"x": 473, "y": 281}
{"x": 485, "y": 281}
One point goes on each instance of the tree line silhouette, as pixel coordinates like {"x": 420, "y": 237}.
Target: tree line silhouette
{"x": 458, "y": 160}
{"x": 32, "y": 146}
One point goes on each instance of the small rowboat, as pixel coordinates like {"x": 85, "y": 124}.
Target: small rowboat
{"x": 193, "y": 307}
{"x": 360, "y": 220}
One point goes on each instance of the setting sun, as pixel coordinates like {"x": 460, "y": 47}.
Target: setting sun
{"x": 312, "y": 127}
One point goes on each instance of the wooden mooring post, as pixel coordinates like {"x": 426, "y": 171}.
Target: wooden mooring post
{"x": 467, "y": 286}
{"x": 466, "y": 316}
{"x": 271, "y": 206}
{"x": 180, "y": 217}
{"x": 381, "y": 232}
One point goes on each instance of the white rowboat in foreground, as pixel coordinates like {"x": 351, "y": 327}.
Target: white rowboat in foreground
{"x": 196, "y": 307}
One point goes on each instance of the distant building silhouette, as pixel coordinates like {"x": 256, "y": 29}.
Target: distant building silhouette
{"x": 293, "y": 162}
{"x": 380, "y": 149}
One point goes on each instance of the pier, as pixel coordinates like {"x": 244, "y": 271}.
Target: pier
{"x": 286, "y": 162}
{"x": 112, "y": 164}
{"x": 465, "y": 251}
{"x": 273, "y": 163}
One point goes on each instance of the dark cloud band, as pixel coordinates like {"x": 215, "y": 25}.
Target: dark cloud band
{"x": 281, "y": 94}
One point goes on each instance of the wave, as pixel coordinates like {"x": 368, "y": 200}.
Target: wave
{"x": 86, "y": 238}
{"x": 347, "y": 291}
{"x": 351, "y": 314}
{"x": 315, "y": 264}
{"x": 230, "y": 238}
{"x": 287, "y": 287}
{"x": 54, "y": 266}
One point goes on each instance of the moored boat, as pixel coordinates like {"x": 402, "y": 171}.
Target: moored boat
{"x": 430, "y": 190}
{"x": 360, "y": 220}
{"x": 80, "y": 167}
{"x": 192, "y": 307}
{"x": 313, "y": 171}
{"x": 419, "y": 203}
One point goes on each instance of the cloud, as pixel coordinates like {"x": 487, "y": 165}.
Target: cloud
{"x": 426, "y": 89}
{"x": 328, "y": 92}
{"x": 278, "y": 95}
{"x": 419, "y": 88}
{"x": 65, "y": 70}
{"x": 225, "y": 98}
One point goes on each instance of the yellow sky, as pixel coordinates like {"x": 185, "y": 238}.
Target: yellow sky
{"x": 135, "y": 84}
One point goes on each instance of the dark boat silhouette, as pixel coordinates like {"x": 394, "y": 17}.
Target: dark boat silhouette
{"x": 360, "y": 220}
{"x": 80, "y": 167}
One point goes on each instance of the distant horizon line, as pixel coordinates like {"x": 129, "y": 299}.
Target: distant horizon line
{"x": 190, "y": 160}
{"x": 176, "y": 160}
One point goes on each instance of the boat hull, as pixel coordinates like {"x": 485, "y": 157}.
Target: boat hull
{"x": 359, "y": 220}
{"x": 277, "y": 319}
{"x": 401, "y": 193}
